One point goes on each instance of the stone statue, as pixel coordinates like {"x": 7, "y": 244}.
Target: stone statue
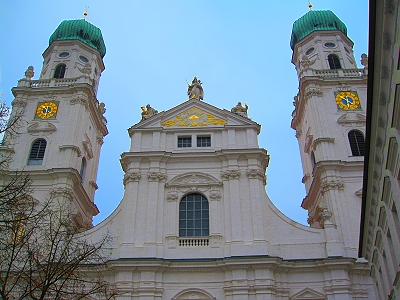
{"x": 29, "y": 73}
{"x": 102, "y": 108}
{"x": 240, "y": 110}
{"x": 195, "y": 90}
{"x": 148, "y": 112}
{"x": 364, "y": 60}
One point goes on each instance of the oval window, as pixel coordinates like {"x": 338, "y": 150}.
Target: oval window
{"x": 63, "y": 54}
{"x": 310, "y": 51}
{"x": 330, "y": 45}
{"x": 83, "y": 59}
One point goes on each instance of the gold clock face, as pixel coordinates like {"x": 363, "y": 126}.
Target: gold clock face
{"x": 46, "y": 110}
{"x": 347, "y": 100}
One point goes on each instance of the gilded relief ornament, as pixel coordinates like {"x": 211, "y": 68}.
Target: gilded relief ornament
{"x": 194, "y": 117}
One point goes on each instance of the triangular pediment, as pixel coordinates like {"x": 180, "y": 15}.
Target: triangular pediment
{"x": 194, "y": 114}
{"x": 351, "y": 118}
{"x": 308, "y": 294}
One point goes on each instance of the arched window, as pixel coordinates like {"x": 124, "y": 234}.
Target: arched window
{"x": 37, "y": 152}
{"x": 59, "y": 72}
{"x": 83, "y": 168}
{"x": 357, "y": 144}
{"x": 334, "y": 62}
{"x": 193, "y": 216}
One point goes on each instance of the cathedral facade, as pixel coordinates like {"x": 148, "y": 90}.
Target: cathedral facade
{"x": 195, "y": 221}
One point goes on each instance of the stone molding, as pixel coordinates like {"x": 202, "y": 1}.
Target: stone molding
{"x": 156, "y": 176}
{"x": 230, "y": 174}
{"x": 257, "y": 174}
{"x": 72, "y": 147}
{"x": 100, "y": 139}
{"x": 215, "y": 195}
{"x": 133, "y": 176}
{"x": 62, "y": 192}
{"x": 321, "y": 140}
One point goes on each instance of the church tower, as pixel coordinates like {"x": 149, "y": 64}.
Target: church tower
{"x": 63, "y": 126}
{"x": 329, "y": 119}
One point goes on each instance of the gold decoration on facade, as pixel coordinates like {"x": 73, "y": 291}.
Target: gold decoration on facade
{"x": 194, "y": 117}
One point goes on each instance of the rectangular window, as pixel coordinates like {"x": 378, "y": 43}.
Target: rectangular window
{"x": 184, "y": 142}
{"x": 203, "y": 141}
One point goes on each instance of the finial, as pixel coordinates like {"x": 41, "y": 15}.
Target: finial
{"x": 85, "y": 13}
{"x": 309, "y": 5}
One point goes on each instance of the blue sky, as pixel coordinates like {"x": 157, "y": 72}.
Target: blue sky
{"x": 238, "y": 49}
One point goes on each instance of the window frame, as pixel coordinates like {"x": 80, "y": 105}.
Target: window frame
{"x": 359, "y": 142}
{"x": 39, "y": 155}
{"x": 60, "y": 71}
{"x": 194, "y": 218}
{"x": 333, "y": 63}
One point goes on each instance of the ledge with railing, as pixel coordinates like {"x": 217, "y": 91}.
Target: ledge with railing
{"x": 53, "y": 82}
{"x": 194, "y": 242}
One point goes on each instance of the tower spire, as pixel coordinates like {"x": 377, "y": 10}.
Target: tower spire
{"x": 309, "y": 5}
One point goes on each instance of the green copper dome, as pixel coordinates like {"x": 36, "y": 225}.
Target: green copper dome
{"x": 315, "y": 20}
{"x": 80, "y": 30}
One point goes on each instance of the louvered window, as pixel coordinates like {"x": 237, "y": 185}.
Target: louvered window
{"x": 357, "y": 143}
{"x": 193, "y": 216}
{"x": 59, "y": 72}
{"x": 37, "y": 152}
{"x": 334, "y": 62}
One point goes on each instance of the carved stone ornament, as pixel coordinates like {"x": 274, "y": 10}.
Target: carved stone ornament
{"x": 87, "y": 146}
{"x": 215, "y": 195}
{"x": 172, "y": 196}
{"x": 195, "y": 90}
{"x": 325, "y": 214}
{"x": 298, "y": 133}
{"x": 29, "y": 73}
{"x": 230, "y": 174}
{"x": 331, "y": 185}
{"x": 344, "y": 88}
{"x": 19, "y": 103}
{"x": 62, "y": 192}
{"x": 156, "y": 176}
{"x": 100, "y": 139}
{"x": 193, "y": 117}
{"x": 313, "y": 92}
{"x": 308, "y": 142}
{"x": 257, "y": 174}
{"x": 80, "y": 100}
{"x": 148, "y": 112}
{"x": 133, "y": 176}
{"x": 306, "y": 63}
{"x": 87, "y": 69}
{"x": 49, "y": 98}
{"x": 41, "y": 127}
{"x": 240, "y": 110}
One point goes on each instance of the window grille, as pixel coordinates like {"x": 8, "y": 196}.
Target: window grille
{"x": 357, "y": 144}
{"x": 184, "y": 142}
{"x": 37, "y": 152}
{"x": 203, "y": 141}
{"x": 193, "y": 216}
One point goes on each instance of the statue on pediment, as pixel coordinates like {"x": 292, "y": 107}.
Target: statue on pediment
{"x": 195, "y": 90}
{"x": 240, "y": 110}
{"x": 148, "y": 112}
